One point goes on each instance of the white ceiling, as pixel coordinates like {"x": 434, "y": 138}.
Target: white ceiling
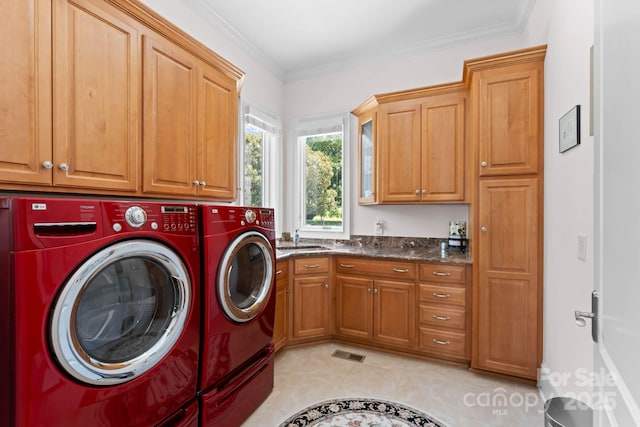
{"x": 303, "y": 37}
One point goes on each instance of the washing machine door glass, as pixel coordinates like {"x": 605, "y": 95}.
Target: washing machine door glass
{"x": 121, "y": 312}
{"x": 245, "y": 276}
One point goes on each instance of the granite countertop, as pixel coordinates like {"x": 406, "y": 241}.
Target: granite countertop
{"x": 400, "y": 248}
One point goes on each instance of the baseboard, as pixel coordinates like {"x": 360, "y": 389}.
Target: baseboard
{"x": 546, "y": 388}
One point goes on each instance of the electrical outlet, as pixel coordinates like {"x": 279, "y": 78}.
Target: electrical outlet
{"x": 582, "y": 247}
{"x": 379, "y": 227}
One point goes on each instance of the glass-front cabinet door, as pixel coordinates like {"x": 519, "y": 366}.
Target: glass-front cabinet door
{"x": 367, "y": 162}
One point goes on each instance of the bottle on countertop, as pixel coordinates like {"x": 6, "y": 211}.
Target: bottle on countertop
{"x": 443, "y": 249}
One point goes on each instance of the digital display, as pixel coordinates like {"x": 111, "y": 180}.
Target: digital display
{"x": 174, "y": 209}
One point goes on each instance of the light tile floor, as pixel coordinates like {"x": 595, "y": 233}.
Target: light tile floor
{"x": 455, "y": 396}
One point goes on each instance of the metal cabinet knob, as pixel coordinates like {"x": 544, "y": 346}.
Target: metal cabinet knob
{"x": 326, "y": 285}
{"x": 63, "y": 166}
{"x": 202, "y": 184}
{"x": 196, "y": 182}
{"x": 417, "y": 191}
{"x": 483, "y": 229}
{"x": 47, "y": 164}
{"x": 424, "y": 191}
{"x": 483, "y": 164}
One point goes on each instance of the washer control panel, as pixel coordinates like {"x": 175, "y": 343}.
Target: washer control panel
{"x": 151, "y": 216}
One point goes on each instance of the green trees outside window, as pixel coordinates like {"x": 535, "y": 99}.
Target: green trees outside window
{"x": 323, "y": 180}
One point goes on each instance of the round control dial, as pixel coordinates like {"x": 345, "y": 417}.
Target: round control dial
{"x": 250, "y": 216}
{"x": 135, "y": 216}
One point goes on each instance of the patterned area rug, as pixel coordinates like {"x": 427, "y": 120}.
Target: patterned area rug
{"x": 360, "y": 412}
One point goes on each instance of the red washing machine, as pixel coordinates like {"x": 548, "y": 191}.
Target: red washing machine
{"x": 99, "y": 312}
{"x": 238, "y": 262}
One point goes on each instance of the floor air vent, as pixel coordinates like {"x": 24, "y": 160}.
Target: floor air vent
{"x": 348, "y": 356}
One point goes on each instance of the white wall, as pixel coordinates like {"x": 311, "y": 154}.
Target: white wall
{"x": 568, "y": 27}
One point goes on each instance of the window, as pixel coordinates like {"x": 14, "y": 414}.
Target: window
{"x": 323, "y": 186}
{"x": 261, "y": 142}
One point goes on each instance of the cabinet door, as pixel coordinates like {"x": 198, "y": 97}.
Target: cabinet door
{"x": 508, "y": 306}
{"x": 394, "y": 313}
{"x": 96, "y": 96}
{"x": 443, "y": 139}
{"x": 400, "y": 145}
{"x": 281, "y": 320}
{"x": 354, "y": 307}
{"x": 509, "y": 114}
{"x": 367, "y": 159}
{"x": 169, "y": 126}
{"x": 217, "y": 134}
{"x": 25, "y": 85}
{"x": 312, "y": 307}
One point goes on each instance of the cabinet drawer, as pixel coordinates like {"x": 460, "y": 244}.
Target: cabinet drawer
{"x": 443, "y": 294}
{"x": 282, "y": 269}
{"x": 370, "y": 267}
{"x": 282, "y": 275}
{"x": 311, "y": 265}
{"x": 442, "y": 317}
{"x": 445, "y": 273}
{"x": 443, "y": 342}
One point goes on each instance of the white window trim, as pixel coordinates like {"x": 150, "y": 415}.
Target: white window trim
{"x": 273, "y": 173}
{"x": 319, "y": 122}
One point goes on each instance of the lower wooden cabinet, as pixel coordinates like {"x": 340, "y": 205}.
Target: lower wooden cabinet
{"x": 508, "y": 295}
{"x": 282, "y": 316}
{"x": 443, "y": 319}
{"x": 311, "y": 298}
{"x": 380, "y": 311}
{"x": 393, "y": 313}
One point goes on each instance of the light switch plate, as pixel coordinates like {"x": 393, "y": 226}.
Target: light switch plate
{"x": 582, "y": 247}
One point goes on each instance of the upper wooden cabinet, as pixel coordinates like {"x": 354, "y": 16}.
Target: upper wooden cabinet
{"x": 124, "y": 104}
{"x": 367, "y": 184}
{"x": 508, "y": 102}
{"x": 96, "y": 94}
{"x": 443, "y": 147}
{"x": 419, "y": 155}
{"x": 25, "y": 85}
{"x": 190, "y": 122}
{"x": 400, "y": 145}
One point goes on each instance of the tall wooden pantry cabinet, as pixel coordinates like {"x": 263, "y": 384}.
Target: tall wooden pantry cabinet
{"x": 507, "y": 105}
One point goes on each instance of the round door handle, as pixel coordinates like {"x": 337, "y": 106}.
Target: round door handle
{"x": 202, "y": 183}
{"x": 326, "y": 285}
{"x": 483, "y": 229}
{"x": 483, "y": 164}
{"x": 196, "y": 182}
{"x": 47, "y": 164}
{"x": 63, "y": 167}
{"x": 417, "y": 191}
{"x": 424, "y": 191}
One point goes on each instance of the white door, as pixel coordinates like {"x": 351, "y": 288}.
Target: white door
{"x": 617, "y": 212}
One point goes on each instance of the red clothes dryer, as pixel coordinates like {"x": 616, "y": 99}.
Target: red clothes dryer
{"x": 238, "y": 263}
{"x": 99, "y": 312}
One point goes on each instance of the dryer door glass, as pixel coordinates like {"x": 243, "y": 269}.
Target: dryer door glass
{"x": 246, "y": 276}
{"x": 121, "y": 312}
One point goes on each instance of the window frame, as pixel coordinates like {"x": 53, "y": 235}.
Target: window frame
{"x": 271, "y": 124}
{"x": 317, "y": 125}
